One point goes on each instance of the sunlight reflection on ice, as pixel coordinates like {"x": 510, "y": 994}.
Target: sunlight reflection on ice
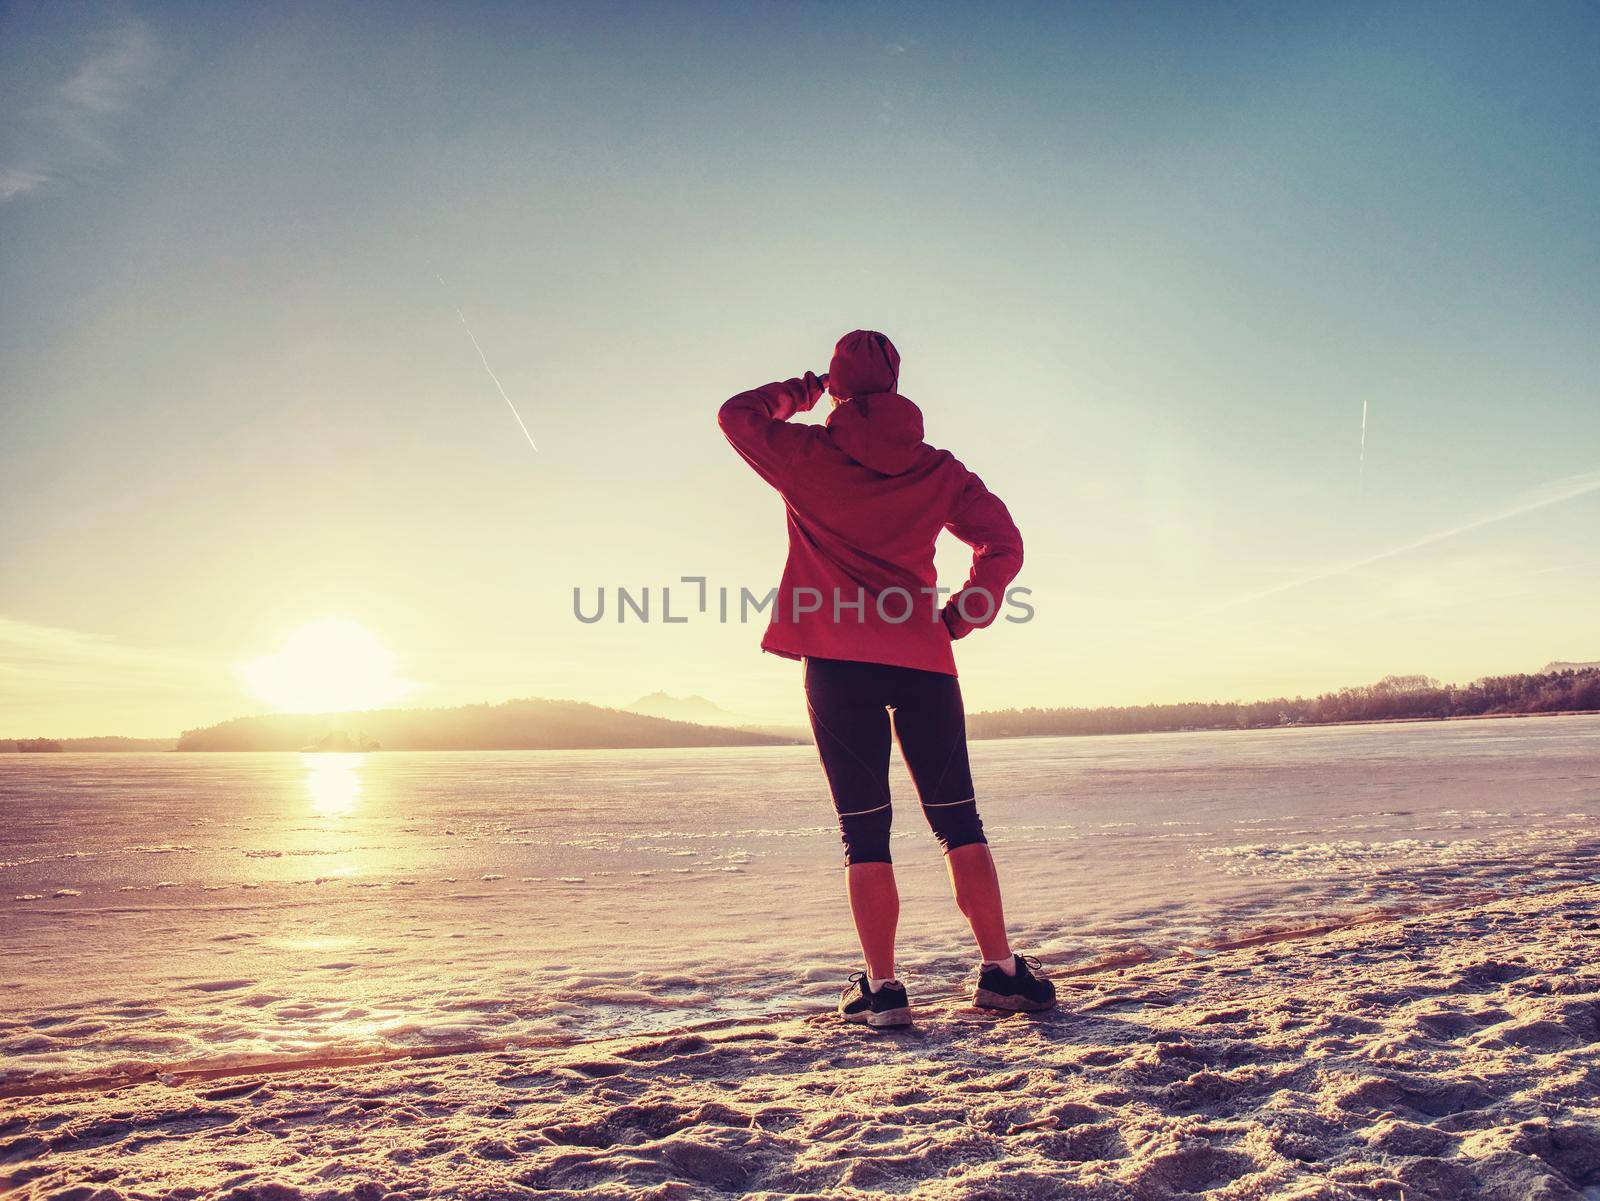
{"x": 333, "y": 782}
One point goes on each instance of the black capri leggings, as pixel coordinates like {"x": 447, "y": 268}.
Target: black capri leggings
{"x": 850, "y": 704}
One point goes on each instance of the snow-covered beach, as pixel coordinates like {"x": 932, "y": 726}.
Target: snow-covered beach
{"x": 1451, "y": 1056}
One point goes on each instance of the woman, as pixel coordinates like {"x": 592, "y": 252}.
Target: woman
{"x": 859, "y": 603}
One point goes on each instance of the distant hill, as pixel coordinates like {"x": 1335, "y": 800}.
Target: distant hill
{"x": 791, "y": 733}
{"x": 708, "y": 713}
{"x": 683, "y": 708}
{"x": 531, "y": 724}
{"x": 1560, "y": 665}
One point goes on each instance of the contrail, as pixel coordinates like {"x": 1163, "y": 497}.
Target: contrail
{"x": 1554, "y": 493}
{"x": 1557, "y": 492}
{"x": 1363, "y": 443}
{"x": 485, "y": 360}
{"x": 1559, "y": 567}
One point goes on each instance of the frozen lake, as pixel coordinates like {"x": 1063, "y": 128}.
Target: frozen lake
{"x": 202, "y": 909}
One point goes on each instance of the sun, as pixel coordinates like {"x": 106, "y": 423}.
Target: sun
{"x": 332, "y": 665}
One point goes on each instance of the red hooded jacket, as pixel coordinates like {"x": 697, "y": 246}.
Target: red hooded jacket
{"x": 867, "y": 498}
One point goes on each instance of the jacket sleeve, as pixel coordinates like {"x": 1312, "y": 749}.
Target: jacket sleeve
{"x": 757, "y": 423}
{"x": 982, "y": 521}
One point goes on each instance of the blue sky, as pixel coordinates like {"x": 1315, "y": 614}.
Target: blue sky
{"x": 1145, "y": 267}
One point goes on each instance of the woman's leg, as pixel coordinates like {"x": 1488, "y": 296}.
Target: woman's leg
{"x": 977, "y": 889}
{"x": 931, "y": 723}
{"x": 851, "y": 725}
{"x": 875, "y": 906}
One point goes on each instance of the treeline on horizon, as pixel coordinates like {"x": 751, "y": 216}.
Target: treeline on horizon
{"x": 98, "y": 743}
{"x": 536, "y": 724}
{"x": 1394, "y": 698}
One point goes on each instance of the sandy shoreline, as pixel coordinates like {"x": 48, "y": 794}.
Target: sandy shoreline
{"x": 1449, "y": 1055}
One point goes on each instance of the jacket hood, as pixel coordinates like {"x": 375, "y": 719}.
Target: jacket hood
{"x": 881, "y": 431}
{"x": 864, "y": 362}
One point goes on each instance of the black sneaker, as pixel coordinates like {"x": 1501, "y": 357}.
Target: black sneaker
{"x": 886, "y": 1007}
{"x": 1022, "y": 993}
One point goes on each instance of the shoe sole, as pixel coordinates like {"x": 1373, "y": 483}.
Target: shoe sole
{"x": 984, "y": 999}
{"x": 880, "y": 1021}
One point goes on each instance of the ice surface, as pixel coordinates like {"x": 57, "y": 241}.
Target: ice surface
{"x": 161, "y": 912}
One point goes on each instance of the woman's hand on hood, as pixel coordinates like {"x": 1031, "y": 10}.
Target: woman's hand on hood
{"x": 816, "y": 385}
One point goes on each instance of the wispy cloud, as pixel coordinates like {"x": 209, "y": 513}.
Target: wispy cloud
{"x": 37, "y": 654}
{"x": 120, "y": 62}
{"x": 65, "y": 682}
{"x": 68, "y": 124}
{"x": 14, "y": 181}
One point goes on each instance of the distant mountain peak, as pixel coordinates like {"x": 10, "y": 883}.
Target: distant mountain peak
{"x": 697, "y": 709}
